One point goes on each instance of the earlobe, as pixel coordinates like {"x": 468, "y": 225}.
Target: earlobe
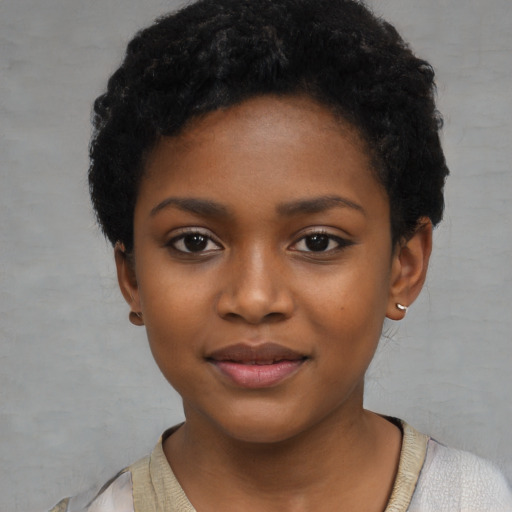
{"x": 128, "y": 283}
{"x": 409, "y": 270}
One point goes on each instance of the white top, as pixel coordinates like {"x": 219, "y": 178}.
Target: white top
{"x": 453, "y": 480}
{"x": 430, "y": 478}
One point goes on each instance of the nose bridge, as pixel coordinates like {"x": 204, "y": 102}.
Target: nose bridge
{"x": 255, "y": 289}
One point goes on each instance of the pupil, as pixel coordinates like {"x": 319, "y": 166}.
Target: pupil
{"x": 195, "y": 243}
{"x": 317, "y": 242}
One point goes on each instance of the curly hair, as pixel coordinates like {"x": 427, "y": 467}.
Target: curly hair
{"x": 216, "y": 53}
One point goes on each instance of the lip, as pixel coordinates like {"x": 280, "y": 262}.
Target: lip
{"x": 256, "y": 367}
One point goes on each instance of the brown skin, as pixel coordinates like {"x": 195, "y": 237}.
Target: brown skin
{"x": 306, "y": 443}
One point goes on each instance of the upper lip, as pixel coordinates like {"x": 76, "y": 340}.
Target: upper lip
{"x": 266, "y": 353}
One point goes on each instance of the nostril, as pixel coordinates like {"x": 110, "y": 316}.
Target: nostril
{"x": 275, "y": 317}
{"x": 255, "y": 319}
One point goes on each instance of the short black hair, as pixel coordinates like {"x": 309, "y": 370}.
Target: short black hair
{"x": 217, "y": 53}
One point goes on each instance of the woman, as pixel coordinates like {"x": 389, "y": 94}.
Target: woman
{"x": 269, "y": 173}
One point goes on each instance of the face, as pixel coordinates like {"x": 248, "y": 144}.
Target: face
{"x": 263, "y": 266}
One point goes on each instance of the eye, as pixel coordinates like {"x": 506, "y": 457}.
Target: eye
{"x": 320, "y": 242}
{"x": 194, "y": 242}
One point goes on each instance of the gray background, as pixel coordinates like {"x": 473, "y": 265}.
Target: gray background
{"x": 79, "y": 393}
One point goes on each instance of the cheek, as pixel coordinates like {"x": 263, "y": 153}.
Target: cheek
{"x": 170, "y": 293}
{"x": 174, "y": 330}
{"x": 177, "y": 311}
{"x": 174, "y": 319}
{"x": 348, "y": 307}
{"x": 356, "y": 293}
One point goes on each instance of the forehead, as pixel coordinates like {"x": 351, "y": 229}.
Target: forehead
{"x": 269, "y": 149}
{"x": 281, "y": 117}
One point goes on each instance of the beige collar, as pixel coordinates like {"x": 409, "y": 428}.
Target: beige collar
{"x": 412, "y": 457}
{"x": 156, "y": 489}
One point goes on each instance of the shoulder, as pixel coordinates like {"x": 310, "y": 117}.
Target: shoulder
{"x": 118, "y": 496}
{"x": 457, "y": 480}
{"x": 115, "y": 496}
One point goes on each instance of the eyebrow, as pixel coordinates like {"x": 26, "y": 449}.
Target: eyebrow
{"x": 203, "y": 207}
{"x": 318, "y": 205}
{"x": 207, "y": 208}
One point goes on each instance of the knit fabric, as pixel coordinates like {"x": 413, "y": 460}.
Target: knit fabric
{"x": 430, "y": 478}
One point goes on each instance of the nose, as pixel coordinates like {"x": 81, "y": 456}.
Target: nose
{"x": 255, "y": 290}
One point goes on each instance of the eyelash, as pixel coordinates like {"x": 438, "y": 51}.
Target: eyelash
{"x": 341, "y": 243}
{"x": 191, "y": 233}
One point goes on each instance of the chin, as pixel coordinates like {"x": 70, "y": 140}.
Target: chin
{"x": 262, "y": 429}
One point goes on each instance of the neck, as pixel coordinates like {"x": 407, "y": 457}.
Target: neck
{"x": 343, "y": 452}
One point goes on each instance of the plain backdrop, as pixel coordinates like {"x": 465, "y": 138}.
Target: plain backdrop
{"x": 80, "y": 395}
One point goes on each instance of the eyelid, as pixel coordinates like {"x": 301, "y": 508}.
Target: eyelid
{"x": 180, "y": 233}
{"x": 342, "y": 241}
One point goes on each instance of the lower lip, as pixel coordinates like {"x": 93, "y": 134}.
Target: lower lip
{"x": 257, "y": 376}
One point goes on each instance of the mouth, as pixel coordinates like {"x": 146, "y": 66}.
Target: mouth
{"x": 256, "y": 367}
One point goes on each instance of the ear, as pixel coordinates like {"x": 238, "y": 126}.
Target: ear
{"x": 128, "y": 283}
{"x": 409, "y": 269}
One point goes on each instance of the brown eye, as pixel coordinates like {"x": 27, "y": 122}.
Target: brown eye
{"x": 317, "y": 242}
{"x": 194, "y": 242}
{"x": 320, "y": 242}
